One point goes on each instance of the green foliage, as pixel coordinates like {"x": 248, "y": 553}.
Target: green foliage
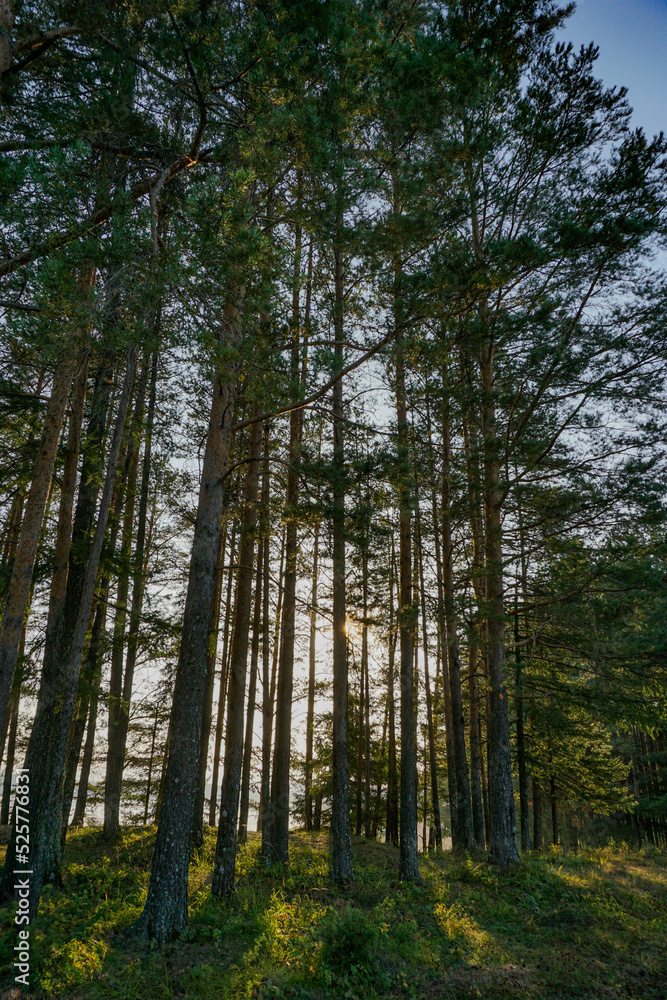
{"x": 348, "y": 941}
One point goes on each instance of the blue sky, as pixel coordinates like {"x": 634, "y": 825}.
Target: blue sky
{"x": 632, "y": 37}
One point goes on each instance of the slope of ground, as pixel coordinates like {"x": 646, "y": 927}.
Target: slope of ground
{"x": 585, "y": 925}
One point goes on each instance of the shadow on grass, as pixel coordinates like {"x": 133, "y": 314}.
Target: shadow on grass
{"x": 556, "y": 926}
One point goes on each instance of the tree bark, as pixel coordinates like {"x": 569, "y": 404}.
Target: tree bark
{"x": 462, "y": 830}
{"x": 166, "y": 910}
{"x": 392, "y": 785}
{"x": 441, "y": 649}
{"x": 222, "y": 693}
{"x": 207, "y": 715}
{"x": 378, "y": 794}
{"x": 94, "y": 658}
{"x": 149, "y": 777}
{"x": 408, "y": 863}
{"x": 68, "y": 581}
{"x": 121, "y": 716}
{"x": 48, "y": 739}
{"x": 77, "y": 730}
{"x": 274, "y": 671}
{"x": 475, "y": 751}
{"x": 502, "y": 834}
{"x": 118, "y": 710}
{"x": 341, "y": 841}
{"x": 84, "y": 520}
{"x": 59, "y": 578}
{"x": 524, "y": 811}
{"x": 521, "y": 743}
{"x": 267, "y": 703}
{"x": 280, "y": 784}
{"x": 12, "y": 526}
{"x": 477, "y": 579}
{"x": 91, "y": 675}
{"x": 433, "y": 767}
{"x": 537, "y": 816}
{"x": 360, "y": 748}
{"x": 252, "y": 698}
{"x": 310, "y": 714}
{"x": 367, "y": 701}
{"x": 225, "y": 850}
{"x": 31, "y": 526}
{"x": 14, "y": 705}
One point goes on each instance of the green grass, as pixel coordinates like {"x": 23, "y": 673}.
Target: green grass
{"x": 557, "y": 926}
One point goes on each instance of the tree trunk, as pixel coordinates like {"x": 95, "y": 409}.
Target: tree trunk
{"x": 14, "y": 705}
{"x": 367, "y": 702}
{"x": 267, "y": 702}
{"x": 462, "y": 831}
{"x": 426, "y": 810}
{"x": 272, "y": 685}
{"x": 77, "y": 730}
{"x": 360, "y": 748}
{"x": 119, "y": 707}
{"x": 252, "y": 698}
{"x": 280, "y": 810}
{"x": 225, "y": 850}
{"x": 392, "y": 784}
{"x": 537, "y": 816}
{"x": 9, "y": 762}
{"x": 163, "y": 771}
{"x": 61, "y": 555}
{"x": 341, "y": 841}
{"x": 378, "y": 794}
{"x": 433, "y": 767}
{"x": 68, "y": 579}
{"x": 95, "y": 658}
{"x": 482, "y": 760}
{"x": 166, "y": 910}
{"x": 441, "y": 649}
{"x": 475, "y": 751}
{"x": 92, "y": 675}
{"x": 554, "y": 810}
{"x": 310, "y": 714}
{"x": 31, "y": 526}
{"x": 118, "y": 711}
{"x": 207, "y": 715}
{"x": 12, "y": 526}
{"x": 59, "y": 610}
{"x": 520, "y": 735}
{"x": 222, "y": 693}
{"x": 408, "y": 864}
{"x": 502, "y": 834}
{"x": 521, "y": 744}
{"x": 280, "y": 784}
{"x": 48, "y": 739}
{"x": 265, "y": 814}
{"x": 151, "y": 759}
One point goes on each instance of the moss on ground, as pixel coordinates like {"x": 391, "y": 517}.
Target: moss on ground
{"x": 585, "y": 925}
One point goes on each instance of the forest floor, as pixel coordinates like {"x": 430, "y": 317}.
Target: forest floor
{"x": 586, "y": 925}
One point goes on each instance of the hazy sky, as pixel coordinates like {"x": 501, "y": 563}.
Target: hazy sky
{"x": 632, "y": 38}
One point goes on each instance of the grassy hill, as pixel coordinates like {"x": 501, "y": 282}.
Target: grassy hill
{"x": 560, "y": 925}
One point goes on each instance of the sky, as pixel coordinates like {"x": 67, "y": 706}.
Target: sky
{"x": 632, "y": 38}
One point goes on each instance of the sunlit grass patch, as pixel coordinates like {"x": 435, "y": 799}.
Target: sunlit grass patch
{"x": 73, "y": 964}
{"x": 557, "y": 925}
{"x": 469, "y": 941}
